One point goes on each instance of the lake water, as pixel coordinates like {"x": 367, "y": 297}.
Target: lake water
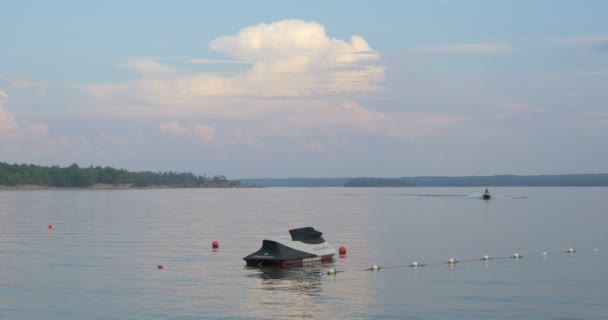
{"x": 100, "y": 259}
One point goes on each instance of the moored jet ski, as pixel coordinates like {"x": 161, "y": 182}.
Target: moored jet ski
{"x": 306, "y": 245}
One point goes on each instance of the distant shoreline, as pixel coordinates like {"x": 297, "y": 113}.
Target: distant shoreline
{"x": 565, "y": 180}
{"x": 35, "y": 177}
{"x": 125, "y": 187}
{"x": 108, "y": 187}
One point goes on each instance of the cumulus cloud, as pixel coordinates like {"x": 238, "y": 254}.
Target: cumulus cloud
{"x": 205, "y": 134}
{"x": 317, "y": 78}
{"x": 10, "y": 128}
{"x": 33, "y": 143}
{"x": 17, "y": 139}
{"x": 488, "y": 48}
{"x": 288, "y": 58}
{"x": 323, "y": 117}
{"x": 173, "y": 128}
{"x": 202, "y": 133}
{"x": 214, "y": 61}
{"x": 8, "y": 124}
{"x": 296, "y": 58}
{"x": 293, "y": 39}
{"x": 149, "y": 67}
{"x": 22, "y": 142}
{"x": 7, "y": 121}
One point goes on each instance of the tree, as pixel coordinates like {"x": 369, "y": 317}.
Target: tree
{"x": 75, "y": 176}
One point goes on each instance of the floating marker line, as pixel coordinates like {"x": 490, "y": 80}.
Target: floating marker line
{"x": 452, "y": 261}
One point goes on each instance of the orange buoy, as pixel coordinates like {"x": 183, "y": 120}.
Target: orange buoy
{"x": 50, "y": 226}
{"x": 215, "y": 245}
{"x": 342, "y": 250}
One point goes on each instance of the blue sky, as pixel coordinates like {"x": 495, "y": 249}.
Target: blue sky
{"x": 315, "y": 89}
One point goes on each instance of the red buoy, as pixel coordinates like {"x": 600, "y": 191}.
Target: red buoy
{"x": 342, "y": 250}
{"x": 50, "y": 226}
{"x": 160, "y": 267}
{"x": 215, "y": 245}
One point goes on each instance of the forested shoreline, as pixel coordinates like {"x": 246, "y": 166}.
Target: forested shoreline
{"x": 563, "y": 180}
{"x": 12, "y": 175}
{"x": 377, "y": 182}
{"x": 74, "y": 176}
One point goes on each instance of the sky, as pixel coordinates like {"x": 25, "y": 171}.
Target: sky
{"x": 252, "y": 89}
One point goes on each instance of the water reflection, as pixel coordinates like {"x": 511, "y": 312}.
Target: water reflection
{"x": 287, "y": 292}
{"x": 302, "y": 279}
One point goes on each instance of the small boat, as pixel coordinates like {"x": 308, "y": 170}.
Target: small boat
{"x": 306, "y": 245}
{"x": 487, "y": 195}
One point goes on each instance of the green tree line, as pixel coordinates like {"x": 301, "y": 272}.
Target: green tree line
{"x": 378, "y": 182}
{"x": 75, "y": 176}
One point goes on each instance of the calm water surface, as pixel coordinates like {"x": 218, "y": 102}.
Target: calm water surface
{"x": 100, "y": 260}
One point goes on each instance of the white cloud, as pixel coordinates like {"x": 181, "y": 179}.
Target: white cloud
{"x": 318, "y": 80}
{"x": 149, "y": 67}
{"x": 214, "y": 61}
{"x": 488, "y": 48}
{"x": 22, "y": 142}
{"x": 289, "y": 39}
{"x": 8, "y": 123}
{"x": 289, "y": 58}
{"x": 33, "y": 143}
{"x": 317, "y": 127}
{"x": 204, "y": 133}
{"x": 305, "y": 118}
{"x": 173, "y": 128}
{"x": 247, "y": 139}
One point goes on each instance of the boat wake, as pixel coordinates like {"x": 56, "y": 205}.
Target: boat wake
{"x": 462, "y": 196}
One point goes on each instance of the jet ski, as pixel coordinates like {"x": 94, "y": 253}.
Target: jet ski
{"x": 306, "y": 245}
{"x": 486, "y": 195}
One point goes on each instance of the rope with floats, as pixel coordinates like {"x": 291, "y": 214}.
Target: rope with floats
{"x": 451, "y": 262}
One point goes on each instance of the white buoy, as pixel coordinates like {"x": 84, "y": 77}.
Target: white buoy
{"x": 331, "y": 271}
{"x": 516, "y": 256}
{"x": 451, "y": 261}
{"x": 544, "y": 253}
{"x": 375, "y": 267}
{"x": 571, "y": 250}
{"x": 485, "y": 258}
{"x": 414, "y": 264}
{"x": 594, "y": 249}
